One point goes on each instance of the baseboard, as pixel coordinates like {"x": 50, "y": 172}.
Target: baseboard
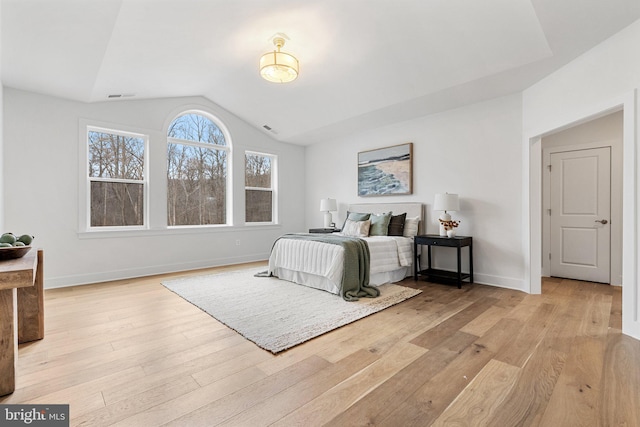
{"x": 499, "y": 281}
{"x": 107, "y": 276}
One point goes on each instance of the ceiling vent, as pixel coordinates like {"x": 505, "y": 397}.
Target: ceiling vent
{"x": 121, "y": 95}
{"x": 270, "y": 129}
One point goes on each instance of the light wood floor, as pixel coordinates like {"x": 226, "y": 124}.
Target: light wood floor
{"x": 133, "y": 353}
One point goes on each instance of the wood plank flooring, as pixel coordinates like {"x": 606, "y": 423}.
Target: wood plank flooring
{"x": 132, "y": 353}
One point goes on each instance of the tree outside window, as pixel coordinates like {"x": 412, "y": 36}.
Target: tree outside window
{"x": 259, "y": 187}
{"x": 198, "y": 155}
{"x": 116, "y": 177}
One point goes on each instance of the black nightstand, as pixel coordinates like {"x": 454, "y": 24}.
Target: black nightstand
{"x": 436, "y": 240}
{"x": 323, "y": 230}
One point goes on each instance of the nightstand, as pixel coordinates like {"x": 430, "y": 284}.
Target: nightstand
{"x": 457, "y": 242}
{"x": 324, "y": 230}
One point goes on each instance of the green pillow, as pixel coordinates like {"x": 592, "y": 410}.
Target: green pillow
{"x": 379, "y": 224}
{"x": 356, "y": 216}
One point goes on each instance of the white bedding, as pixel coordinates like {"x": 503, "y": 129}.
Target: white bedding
{"x": 320, "y": 265}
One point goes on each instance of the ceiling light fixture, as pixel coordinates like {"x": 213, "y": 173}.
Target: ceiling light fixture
{"x": 277, "y": 66}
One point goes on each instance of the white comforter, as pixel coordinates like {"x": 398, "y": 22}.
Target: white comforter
{"x": 320, "y": 265}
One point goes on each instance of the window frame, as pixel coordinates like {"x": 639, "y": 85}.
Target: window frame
{"x": 85, "y": 199}
{"x": 229, "y": 178}
{"x": 155, "y": 184}
{"x": 273, "y": 188}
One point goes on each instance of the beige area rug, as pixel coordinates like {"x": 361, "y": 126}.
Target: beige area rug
{"x": 276, "y": 314}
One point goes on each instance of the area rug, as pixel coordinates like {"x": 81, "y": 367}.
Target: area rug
{"x": 276, "y": 314}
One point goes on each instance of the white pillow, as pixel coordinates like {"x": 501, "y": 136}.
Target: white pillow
{"x": 411, "y": 227}
{"x": 356, "y": 228}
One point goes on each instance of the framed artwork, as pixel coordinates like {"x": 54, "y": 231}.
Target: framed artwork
{"x": 386, "y": 171}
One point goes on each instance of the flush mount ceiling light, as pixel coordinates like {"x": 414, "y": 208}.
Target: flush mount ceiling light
{"x": 277, "y": 66}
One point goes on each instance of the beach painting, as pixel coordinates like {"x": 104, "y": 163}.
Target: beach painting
{"x": 385, "y": 171}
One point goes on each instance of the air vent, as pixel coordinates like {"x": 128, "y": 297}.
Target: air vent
{"x": 121, "y": 95}
{"x": 270, "y": 129}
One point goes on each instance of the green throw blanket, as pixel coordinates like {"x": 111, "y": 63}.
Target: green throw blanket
{"x": 355, "y": 276}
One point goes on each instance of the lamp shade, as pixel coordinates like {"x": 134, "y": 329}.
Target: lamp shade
{"x": 446, "y": 202}
{"x": 328, "y": 205}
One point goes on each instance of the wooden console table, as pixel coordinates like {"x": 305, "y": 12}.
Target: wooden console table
{"x": 21, "y": 311}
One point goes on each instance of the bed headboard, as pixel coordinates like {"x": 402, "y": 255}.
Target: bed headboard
{"x": 412, "y": 210}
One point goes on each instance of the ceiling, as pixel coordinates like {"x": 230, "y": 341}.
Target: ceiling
{"x": 363, "y": 63}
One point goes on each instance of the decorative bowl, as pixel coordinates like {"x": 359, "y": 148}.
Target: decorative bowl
{"x": 14, "y": 252}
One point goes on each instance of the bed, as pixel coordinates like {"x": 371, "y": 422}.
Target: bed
{"x": 309, "y": 261}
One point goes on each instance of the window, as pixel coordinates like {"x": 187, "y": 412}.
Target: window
{"x": 259, "y": 187}
{"x": 197, "y": 169}
{"x": 117, "y": 178}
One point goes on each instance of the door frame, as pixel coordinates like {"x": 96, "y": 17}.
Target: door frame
{"x": 532, "y": 201}
{"x": 615, "y": 219}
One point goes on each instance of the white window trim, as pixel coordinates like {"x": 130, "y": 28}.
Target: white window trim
{"x": 84, "y": 198}
{"x": 273, "y": 188}
{"x": 172, "y": 140}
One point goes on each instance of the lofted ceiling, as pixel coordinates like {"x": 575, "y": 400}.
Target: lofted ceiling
{"x": 363, "y": 63}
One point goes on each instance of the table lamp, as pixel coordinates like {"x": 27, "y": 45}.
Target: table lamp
{"x": 327, "y": 206}
{"x": 446, "y": 202}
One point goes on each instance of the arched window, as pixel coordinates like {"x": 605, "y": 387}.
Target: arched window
{"x": 197, "y": 171}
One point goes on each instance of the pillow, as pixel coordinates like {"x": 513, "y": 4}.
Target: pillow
{"x": 379, "y": 224}
{"x": 356, "y": 228}
{"x": 411, "y": 227}
{"x": 396, "y": 225}
{"x": 356, "y": 216}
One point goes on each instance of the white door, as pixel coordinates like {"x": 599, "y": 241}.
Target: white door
{"x": 581, "y": 214}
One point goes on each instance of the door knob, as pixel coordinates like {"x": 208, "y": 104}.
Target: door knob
{"x": 602, "y": 221}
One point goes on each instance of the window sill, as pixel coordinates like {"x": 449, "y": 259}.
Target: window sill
{"x": 172, "y": 231}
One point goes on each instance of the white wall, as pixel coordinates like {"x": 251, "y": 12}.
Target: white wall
{"x": 42, "y": 197}
{"x": 603, "y": 79}
{"x": 2, "y": 168}
{"x": 473, "y": 151}
{"x": 601, "y": 132}
{"x": 2, "y": 165}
